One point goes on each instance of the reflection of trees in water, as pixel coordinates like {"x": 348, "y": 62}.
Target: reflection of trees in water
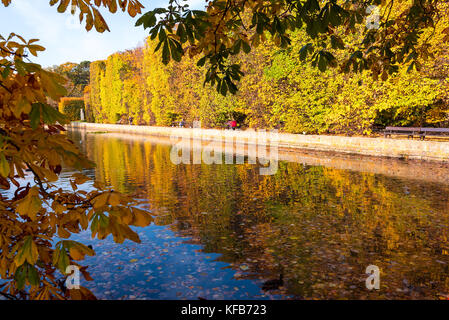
{"x": 318, "y": 227}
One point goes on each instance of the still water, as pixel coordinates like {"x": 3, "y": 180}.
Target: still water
{"x": 307, "y": 232}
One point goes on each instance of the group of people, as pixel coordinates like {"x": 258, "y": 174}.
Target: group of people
{"x": 180, "y": 124}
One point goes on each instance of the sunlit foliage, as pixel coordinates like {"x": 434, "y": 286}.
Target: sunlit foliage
{"x": 397, "y": 33}
{"x": 278, "y": 91}
{"x": 37, "y": 218}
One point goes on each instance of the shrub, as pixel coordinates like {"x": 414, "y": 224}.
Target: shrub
{"x": 71, "y": 107}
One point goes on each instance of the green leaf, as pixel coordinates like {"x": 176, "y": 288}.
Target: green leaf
{"x": 245, "y": 46}
{"x": 334, "y": 16}
{"x": 6, "y": 71}
{"x": 50, "y": 115}
{"x": 232, "y": 88}
{"x": 337, "y": 42}
{"x": 181, "y": 33}
{"x": 20, "y": 67}
{"x": 158, "y": 46}
{"x": 165, "y": 53}
{"x": 224, "y": 88}
{"x": 20, "y": 276}
{"x": 35, "y": 115}
{"x": 148, "y": 20}
{"x": 27, "y": 252}
{"x": 153, "y": 33}
{"x": 162, "y": 35}
{"x": 176, "y": 50}
{"x": 60, "y": 258}
{"x": 201, "y": 62}
{"x": 33, "y": 276}
{"x": 322, "y": 63}
{"x": 304, "y": 51}
{"x": 237, "y": 46}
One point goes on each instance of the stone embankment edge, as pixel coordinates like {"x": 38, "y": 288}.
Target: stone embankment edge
{"x": 381, "y": 147}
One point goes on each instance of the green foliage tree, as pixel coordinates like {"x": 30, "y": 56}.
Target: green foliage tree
{"x": 77, "y": 74}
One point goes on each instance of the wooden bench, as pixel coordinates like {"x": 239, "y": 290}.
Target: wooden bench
{"x": 433, "y": 132}
{"x": 421, "y": 132}
{"x": 408, "y": 131}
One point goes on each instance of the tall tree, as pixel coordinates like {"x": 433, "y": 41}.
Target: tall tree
{"x": 77, "y": 75}
{"x": 394, "y": 33}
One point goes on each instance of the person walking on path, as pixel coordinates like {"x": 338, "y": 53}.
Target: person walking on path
{"x": 233, "y": 124}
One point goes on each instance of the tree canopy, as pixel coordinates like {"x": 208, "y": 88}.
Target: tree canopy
{"x": 33, "y": 211}
{"x": 77, "y": 74}
{"x": 394, "y": 33}
{"x": 278, "y": 91}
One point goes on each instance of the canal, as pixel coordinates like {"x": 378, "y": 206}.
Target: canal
{"x": 223, "y": 231}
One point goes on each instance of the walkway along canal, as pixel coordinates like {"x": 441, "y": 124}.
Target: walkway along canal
{"x": 396, "y": 148}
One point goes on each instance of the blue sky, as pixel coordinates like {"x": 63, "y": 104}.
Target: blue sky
{"x": 65, "y": 39}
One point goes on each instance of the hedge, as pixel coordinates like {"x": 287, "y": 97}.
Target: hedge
{"x": 72, "y": 107}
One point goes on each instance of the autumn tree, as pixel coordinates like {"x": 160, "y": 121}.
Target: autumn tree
{"x": 33, "y": 150}
{"x": 77, "y": 74}
{"x": 279, "y": 90}
{"x": 394, "y": 33}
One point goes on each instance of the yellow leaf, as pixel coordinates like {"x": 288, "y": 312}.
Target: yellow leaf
{"x": 114, "y": 199}
{"x": 101, "y": 200}
{"x": 57, "y": 207}
{"x": 53, "y": 157}
{"x": 24, "y": 106}
{"x": 141, "y": 218}
{"x": 28, "y": 252}
{"x": 128, "y": 233}
{"x": 81, "y": 294}
{"x": 76, "y": 254}
{"x": 63, "y": 233}
{"x": 49, "y": 175}
{"x": 52, "y": 86}
{"x": 4, "y": 166}
{"x": 78, "y": 250}
{"x": 80, "y": 178}
{"x": 84, "y": 222}
{"x": 31, "y": 204}
{"x": 73, "y": 184}
{"x": 99, "y": 22}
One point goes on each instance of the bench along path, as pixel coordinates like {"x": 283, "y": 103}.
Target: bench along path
{"x": 397, "y": 148}
{"x": 421, "y": 132}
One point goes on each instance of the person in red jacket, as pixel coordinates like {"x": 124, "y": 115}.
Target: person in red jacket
{"x": 233, "y": 124}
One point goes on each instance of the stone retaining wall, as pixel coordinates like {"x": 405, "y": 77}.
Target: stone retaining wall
{"x": 396, "y": 148}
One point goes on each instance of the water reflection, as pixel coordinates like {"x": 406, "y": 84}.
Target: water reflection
{"x": 306, "y": 232}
